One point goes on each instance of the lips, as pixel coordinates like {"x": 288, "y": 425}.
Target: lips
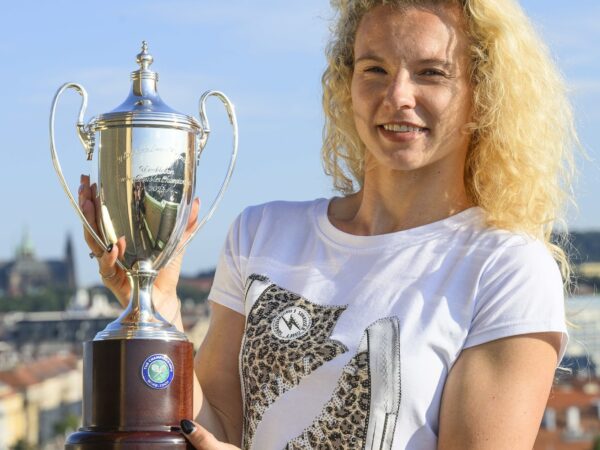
{"x": 402, "y": 128}
{"x": 401, "y": 131}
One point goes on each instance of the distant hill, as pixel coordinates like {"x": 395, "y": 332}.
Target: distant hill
{"x": 583, "y": 250}
{"x": 583, "y": 247}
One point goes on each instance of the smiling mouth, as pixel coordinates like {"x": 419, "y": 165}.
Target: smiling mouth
{"x": 401, "y": 128}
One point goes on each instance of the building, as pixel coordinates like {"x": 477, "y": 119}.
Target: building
{"x": 589, "y": 269}
{"x": 201, "y": 282}
{"x": 12, "y": 417}
{"x": 28, "y": 275}
{"x": 35, "y": 398}
{"x": 39, "y": 334}
{"x": 572, "y": 417}
{"x": 583, "y": 314}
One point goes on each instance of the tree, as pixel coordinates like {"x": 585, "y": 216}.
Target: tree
{"x": 67, "y": 425}
{"x": 22, "y": 444}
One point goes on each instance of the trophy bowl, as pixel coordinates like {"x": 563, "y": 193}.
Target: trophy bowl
{"x": 138, "y": 371}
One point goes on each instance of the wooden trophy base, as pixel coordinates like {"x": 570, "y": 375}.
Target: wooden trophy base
{"x": 94, "y": 440}
{"x": 135, "y": 393}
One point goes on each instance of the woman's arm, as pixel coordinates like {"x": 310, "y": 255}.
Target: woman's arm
{"x": 496, "y": 392}
{"x": 216, "y": 367}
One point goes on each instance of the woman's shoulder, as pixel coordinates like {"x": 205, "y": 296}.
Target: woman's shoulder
{"x": 504, "y": 249}
{"x": 487, "y": 235}
{"x": 282, "y": 209}
{"x": 508, "y": 252}
{"x": 277, "y": 215}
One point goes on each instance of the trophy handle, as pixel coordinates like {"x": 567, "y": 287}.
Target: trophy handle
{"x": 203, "y": 137}
{"x": 87, "y": 138}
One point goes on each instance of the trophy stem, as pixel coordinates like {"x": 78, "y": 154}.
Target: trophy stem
{"x": 140, "y": 304}
{"x": 140, "y": 320}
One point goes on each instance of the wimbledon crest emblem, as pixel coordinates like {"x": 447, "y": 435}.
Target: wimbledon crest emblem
{"x": 158, "y": 371}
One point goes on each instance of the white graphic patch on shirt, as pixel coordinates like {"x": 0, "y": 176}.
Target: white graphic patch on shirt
{"x": 292, "y": 323}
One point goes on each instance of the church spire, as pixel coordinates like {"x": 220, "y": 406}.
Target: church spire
{"x": 70, "y": 263}
{"x": 25, "y": 249}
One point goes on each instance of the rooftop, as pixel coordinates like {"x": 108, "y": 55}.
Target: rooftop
{"x": 38, "y": 371}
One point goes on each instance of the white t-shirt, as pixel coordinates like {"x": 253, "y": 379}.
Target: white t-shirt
{"x": 349, "y": 339}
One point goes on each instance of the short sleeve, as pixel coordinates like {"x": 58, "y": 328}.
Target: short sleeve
{"x": 520, "y": 292}
{"x": 228, "y": 288}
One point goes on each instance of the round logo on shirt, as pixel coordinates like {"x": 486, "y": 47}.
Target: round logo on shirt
{"x": 158, "y": 371}
{"x": 292, "y": 323}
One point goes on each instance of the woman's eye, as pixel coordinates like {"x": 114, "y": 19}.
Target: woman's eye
{"x": 433, "y": 72}
{"x": 375, "y": 69}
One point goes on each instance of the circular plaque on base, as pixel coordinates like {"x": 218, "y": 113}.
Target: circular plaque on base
{"x": 136, "y": 392}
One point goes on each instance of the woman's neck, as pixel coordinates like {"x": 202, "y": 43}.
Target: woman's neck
{"x": 392, "y": 201}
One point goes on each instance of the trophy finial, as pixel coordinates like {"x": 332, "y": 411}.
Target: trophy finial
{"x": 144, "y": 59}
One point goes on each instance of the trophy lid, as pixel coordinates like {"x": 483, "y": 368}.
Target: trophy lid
{"x": 143, "y": 106}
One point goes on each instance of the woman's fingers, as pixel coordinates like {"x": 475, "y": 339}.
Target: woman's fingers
{"x": 112, "y": 275}
{"x": 201, "y": 438}
{"x": 193, "y": 215}
{"x": 86, "y": 203}
{"x": 175, "y": 263}
{"x": 121, "y": 245}
{"x": 107, "y": 262}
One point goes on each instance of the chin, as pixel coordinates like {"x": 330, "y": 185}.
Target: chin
{"x": 406, "y": 167}
{"x": 400, "y": 161}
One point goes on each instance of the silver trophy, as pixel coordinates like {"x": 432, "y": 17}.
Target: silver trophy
{"x": 147, "y": 157}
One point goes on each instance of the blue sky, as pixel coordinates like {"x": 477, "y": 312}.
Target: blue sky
{"x": 267, "y": 56}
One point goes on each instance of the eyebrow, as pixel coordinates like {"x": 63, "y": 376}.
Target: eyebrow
{"x": 368, "y": 57}
{"x": 422, "y": 62}
{"x": 435, "y": 62}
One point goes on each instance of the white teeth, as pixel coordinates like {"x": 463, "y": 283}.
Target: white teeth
{"x": 401, "y": 128}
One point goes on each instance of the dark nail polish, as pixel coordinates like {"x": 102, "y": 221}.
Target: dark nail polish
{"x": 109, "y": 248}
{"x": 187, "y": 426}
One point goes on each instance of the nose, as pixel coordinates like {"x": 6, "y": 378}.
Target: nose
{"x": 401, "y": 92}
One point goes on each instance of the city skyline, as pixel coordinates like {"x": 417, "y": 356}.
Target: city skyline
{"x": 266, "y": 56}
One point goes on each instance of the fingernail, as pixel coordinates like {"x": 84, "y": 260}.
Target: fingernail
{"x": 80, "y": 188}
{"x": 187, "y": 426}
{"x": 109, "y": 248}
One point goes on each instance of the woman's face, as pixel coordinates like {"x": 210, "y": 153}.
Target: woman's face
{"x": 411, "y": 94}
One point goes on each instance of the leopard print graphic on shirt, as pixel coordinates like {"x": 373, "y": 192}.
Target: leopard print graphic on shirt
{"x": 363, "y": 408}
{"x": 286, "y": 338}
{"x": 342, "y": 423}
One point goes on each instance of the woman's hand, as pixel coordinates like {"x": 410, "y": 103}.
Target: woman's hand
{"x": 112, "y": 275}
{"x": 202, "y": 439}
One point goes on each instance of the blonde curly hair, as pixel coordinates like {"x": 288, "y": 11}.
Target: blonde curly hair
{"x": 520, "y": 163}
